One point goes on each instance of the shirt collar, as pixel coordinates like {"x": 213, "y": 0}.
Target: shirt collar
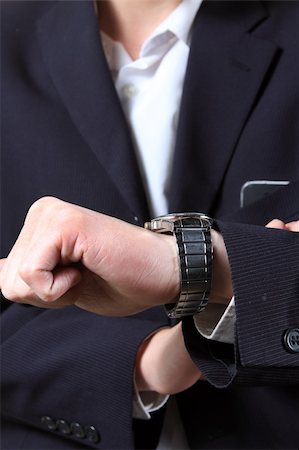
{"x": 179, "y": 22}
{"x": 176, "y": 26}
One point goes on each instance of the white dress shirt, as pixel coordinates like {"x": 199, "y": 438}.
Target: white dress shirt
{"x": 150, "y": 90}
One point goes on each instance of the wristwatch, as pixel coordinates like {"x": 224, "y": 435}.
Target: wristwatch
{"x": 195, "y": 251}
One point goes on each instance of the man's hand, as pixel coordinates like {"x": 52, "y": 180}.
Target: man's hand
{"x": 279, "y": 224}
{"x": 66, "y": 254}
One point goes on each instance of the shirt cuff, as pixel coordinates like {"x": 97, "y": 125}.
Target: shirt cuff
{"x": 217, "y": 322}
{"x": 146, "y": 402}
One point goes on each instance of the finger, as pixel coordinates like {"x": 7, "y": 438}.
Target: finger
{"x": 49, "y": 285}
{"x": 293, "y": 226}
{"x": 13, "y": 288}
{"x": 19, "y": 292}
{"x": 276, "y": 223}
{"x": 42, "y": 272}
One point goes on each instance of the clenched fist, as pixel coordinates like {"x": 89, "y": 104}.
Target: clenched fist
{"x": 66, "y": 254}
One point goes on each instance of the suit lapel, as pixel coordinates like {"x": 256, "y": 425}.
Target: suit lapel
{"x": 226, "y": 70}
{"x": 70, "y": 44}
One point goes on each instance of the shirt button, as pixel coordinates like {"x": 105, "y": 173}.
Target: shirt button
{"x": 291, "y": 340}
{"x": 77, "y": 430}
{"x": 92, "y": 434}
{"x": 63, "y": 426}
{"x": 129, "y": 90}
{"x": 48, "y": 422}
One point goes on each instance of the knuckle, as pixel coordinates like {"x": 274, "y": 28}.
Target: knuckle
{"x": 44, "y": 205}
{"x": 40, "y": 208}
{"x": 56, "y": 214}
{"x": 40, "y": 204}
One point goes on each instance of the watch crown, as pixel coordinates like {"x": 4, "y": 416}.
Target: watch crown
{"x": 160, "y": 225}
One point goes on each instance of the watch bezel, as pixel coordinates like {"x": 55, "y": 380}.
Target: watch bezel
{"x": 166, "y": 223}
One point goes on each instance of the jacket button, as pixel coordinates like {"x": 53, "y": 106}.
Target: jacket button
{"x": 63, "y": 426}
{"x": 92, "y": 434}
{"x": 291, "y": 340}
{"x": 77, "y": 430}
{"x": 48, "y": 422}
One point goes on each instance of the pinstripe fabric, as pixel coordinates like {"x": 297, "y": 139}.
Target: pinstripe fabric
{"x": 258, "y": 256}
{"x": 74, "y": 363}
{"x": 65, "y": 135}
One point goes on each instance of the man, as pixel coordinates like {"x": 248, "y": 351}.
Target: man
{"x": 240, "y": 72}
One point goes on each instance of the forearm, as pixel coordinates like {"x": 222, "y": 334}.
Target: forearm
{"x": 264, "y": 266}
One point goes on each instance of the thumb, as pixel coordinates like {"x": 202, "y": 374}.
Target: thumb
{"x": 276, "y": 223}
{"x": 293, "y": 226}
{"x": 43, "y": 273}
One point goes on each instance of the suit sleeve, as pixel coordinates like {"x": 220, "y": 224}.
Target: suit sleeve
{"x": 265, "y": 273}
{"x": 72, "y": 365}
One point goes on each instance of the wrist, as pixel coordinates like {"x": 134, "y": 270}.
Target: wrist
{"x": 222, "y": 289}
{"x": 174, "y": 285}
{"x": 163, "y": 364}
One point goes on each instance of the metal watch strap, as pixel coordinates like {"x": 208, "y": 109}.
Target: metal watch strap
{"x": 193, "y": 237}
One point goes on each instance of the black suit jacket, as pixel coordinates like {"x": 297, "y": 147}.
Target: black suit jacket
{"x": 65, "y": 135}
